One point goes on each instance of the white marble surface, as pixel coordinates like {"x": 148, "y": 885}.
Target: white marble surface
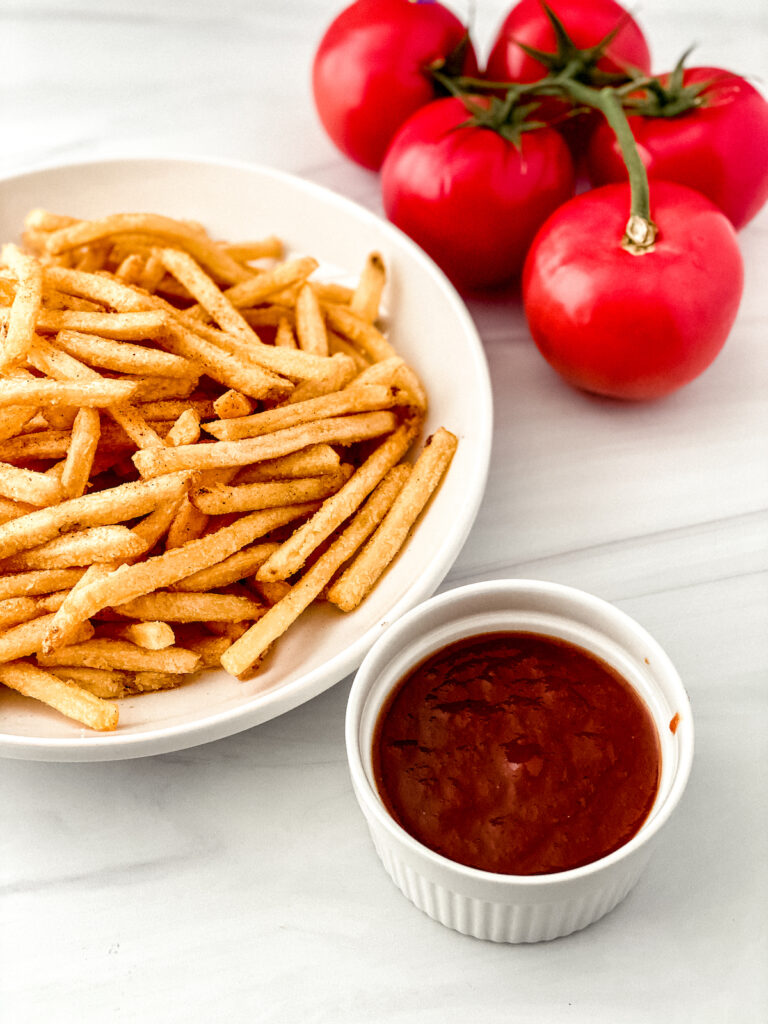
{"x": 236, "y": 881}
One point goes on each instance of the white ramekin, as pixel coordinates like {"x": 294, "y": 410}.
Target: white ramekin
{"x": 517, "y": 908}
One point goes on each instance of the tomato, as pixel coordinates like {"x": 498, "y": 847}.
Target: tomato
{"x": 470, "y": 197}
{"x": 587, "y": 22}
{"x": 371, "y": 70}
{"x": 633, "y": 326}
{"x": 719, "y": 148}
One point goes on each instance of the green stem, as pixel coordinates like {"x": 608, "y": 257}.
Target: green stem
{"x": 640, "y": 231}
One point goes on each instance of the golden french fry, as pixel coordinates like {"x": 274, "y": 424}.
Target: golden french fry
{"x": 65, "y": 696}
{"x": 25, "y": 308}
{"x": 81, "y": 547}
{"x": 171, "y": 409}
{"x": 365, "y": 301}
{"x": 395, "y": 373}
{"x": 132, "y": 581}
{"x": 350, "y": 589}
{"x": 291, "y": 555}
{"x": 85, "y": 440}
{"x": 244, "y": 252}
{"x": 221, "y": 499}
{"x": 341, "y": 372}
{"x": 310, "y": 323}
{"x": 151, "y": 635}
{"x": 44, "y": 581}
{"x": 343, "y": 403}
{"x": 14, "y": 610}
{"x": 243, "y": 563}
{"x": 171, "y": 606}
{"x": 188, "y": 524}
{"x": 232, "y": 404}
{"x": 122, "y": 654}
{"x": 133, "y": 326}
{"x": 209, "y": 649}
{"x": 50, "y": 392}
{"x": 28, "y": 485}
{"x": 186, "y": 429}
{"x": 362, "y": 334}
{"x": 260, "y": 287}
{"x": 284, "y": 336}
{"x": 123, "y": 357}
{"x": 241, "y": 656}
{"x": 101, "y": 682}
{"x": 314, "y": 460}
{"x": 102, "y": 508}
{"x": 340, "y": 345}
{"x": 14, "y": 418}
{"x": 336, "y": 430}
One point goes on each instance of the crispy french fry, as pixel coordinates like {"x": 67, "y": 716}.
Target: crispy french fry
{"x": 186, "y": 429}
{"x": 367, "y": 297}
{"x": 101, "y": 682}
{"x": 363, "y": 334}
{"x": 284, "y": 336}
{"x": 82, "y": 547}
{"x": 27, "y": 638}
{"x": 341, "y": 372}
{"x": 241, "y": 656}
{"x": 85, "y": 440}
{"x": 65, "y": 696}
{"x": 14, "y": 610}
{"x": 310, "y": 324}
{"x": 93, "y": 394}
{"x": 221, "y": 499}
{"x": 44, "y": 581}
{"x": 188, "y": 524}
{"x": 350, "y": 589}
{"x": 244, "y": 252}
{"x": 151, "y": 635}
{"x": 123, "y": 357}
{"x": 343, "y": 403}
{"x": 260, "y": 287}
{"x": 314, "y": 460}
{"x": 132, "y": 581}
{"x": 232, "y": 404}
{"x": 395, "y": 373}
{"x": 191, "y": 607}
{"x": 239, "y": 565}
{"x": 291, "y": 555}
{"x": 336, "y": 430}
{"x": 28, "y": 485}
{"x": 122, "y": 654}
{"x": 25, "y": 308}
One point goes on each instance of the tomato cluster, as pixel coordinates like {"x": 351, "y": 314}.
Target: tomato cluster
{"x": 479, "y": 167}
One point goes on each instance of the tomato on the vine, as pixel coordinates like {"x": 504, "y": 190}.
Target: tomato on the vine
{"x": 471, "y": 195}
{"x": 719, "y": 146}
{"x": 633, "y": 326}
{"x": 587, "y": 22}
{"x": 372, "y": 70}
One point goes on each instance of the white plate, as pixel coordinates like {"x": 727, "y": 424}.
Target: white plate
{"x": 430, "y": 327}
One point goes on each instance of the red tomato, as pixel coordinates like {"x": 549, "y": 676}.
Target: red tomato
{"x": 371, "y": 70}
{"x": 720, "y": 148}
{"x": 587, "y": 23}
{"x": 468, "y": 196}
{"x": 633, "y": 326}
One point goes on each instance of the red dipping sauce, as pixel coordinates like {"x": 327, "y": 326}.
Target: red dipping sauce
{"x": 518, "y": 754}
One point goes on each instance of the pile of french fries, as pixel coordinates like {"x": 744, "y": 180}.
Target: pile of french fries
{"x": 197, "y": 440}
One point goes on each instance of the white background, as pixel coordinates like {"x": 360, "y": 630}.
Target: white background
{"x": 236, "y": 881}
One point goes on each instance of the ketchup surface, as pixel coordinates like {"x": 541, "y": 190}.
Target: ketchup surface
{"x": 517, "y": 753}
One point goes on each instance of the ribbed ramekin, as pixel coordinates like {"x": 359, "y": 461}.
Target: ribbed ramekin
{"x": 517, "y": 908}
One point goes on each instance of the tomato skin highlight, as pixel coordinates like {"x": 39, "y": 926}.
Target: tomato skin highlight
{"x": 625, "y": 326}
{"x": 370, "y": 70}
{"x": 468, "y": 196}
{"x": 719, "y": 149}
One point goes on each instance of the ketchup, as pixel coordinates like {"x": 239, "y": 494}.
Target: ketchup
{"x": 518, "y": 754}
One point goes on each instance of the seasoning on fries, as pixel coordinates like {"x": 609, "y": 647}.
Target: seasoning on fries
{"x": 177, "y": 419}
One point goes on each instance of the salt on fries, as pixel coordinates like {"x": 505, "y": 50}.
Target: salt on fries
{"x": 195, "y": 445}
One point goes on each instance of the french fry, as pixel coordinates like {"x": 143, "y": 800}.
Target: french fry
{"x": 395, "y": 373}
{"x": 292, "y": 555}
{"x": 310, "y": 324}
{"x": 65, "y": 696}
{"x": 10, "y": 509}
{"x": 93, "y": 394}
{"x": 314, "y": 460}
{"x": 101, "y": 682}
{"x": 338, "y": 344}
{"x": 28, "y": 485}
{"x": 13, "y": 419}
{"x": 241, "y": 656}
{"x": 45, "y": 581}
{"x": 221, "y": 499}
{"x": 132, "y": 581}
{"x": 14, "y": 610}
{"x": 260, "y": 287}
{"x": 342, "y": 403}
{"x": 232, "y": 404}
{"x": 102, "y": 508}
{"x": 123, "y": 357}
{"x": 367, "y": 296}
{"x": 118, "y": 326}
{"x": 350, "y": 589}
{"x": 171, "y": 606}
{"x": 245, "y": 252}
{"x": 85, "y": 440}
{"x": 122, "y": 654}
{"x": 239, "y": 565}
{"x": 188, "y": 524}
{"x": 284, "y": 336}
{"x": 186, "y": 429}
{"x": 25, "y": 307}
{"x": 361, "y": 333}
{"x": 81, "y": 547}
{"x": 336, "y": 430}
{"x": 341, "y": 372}
{"x": 151, "y": 635}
